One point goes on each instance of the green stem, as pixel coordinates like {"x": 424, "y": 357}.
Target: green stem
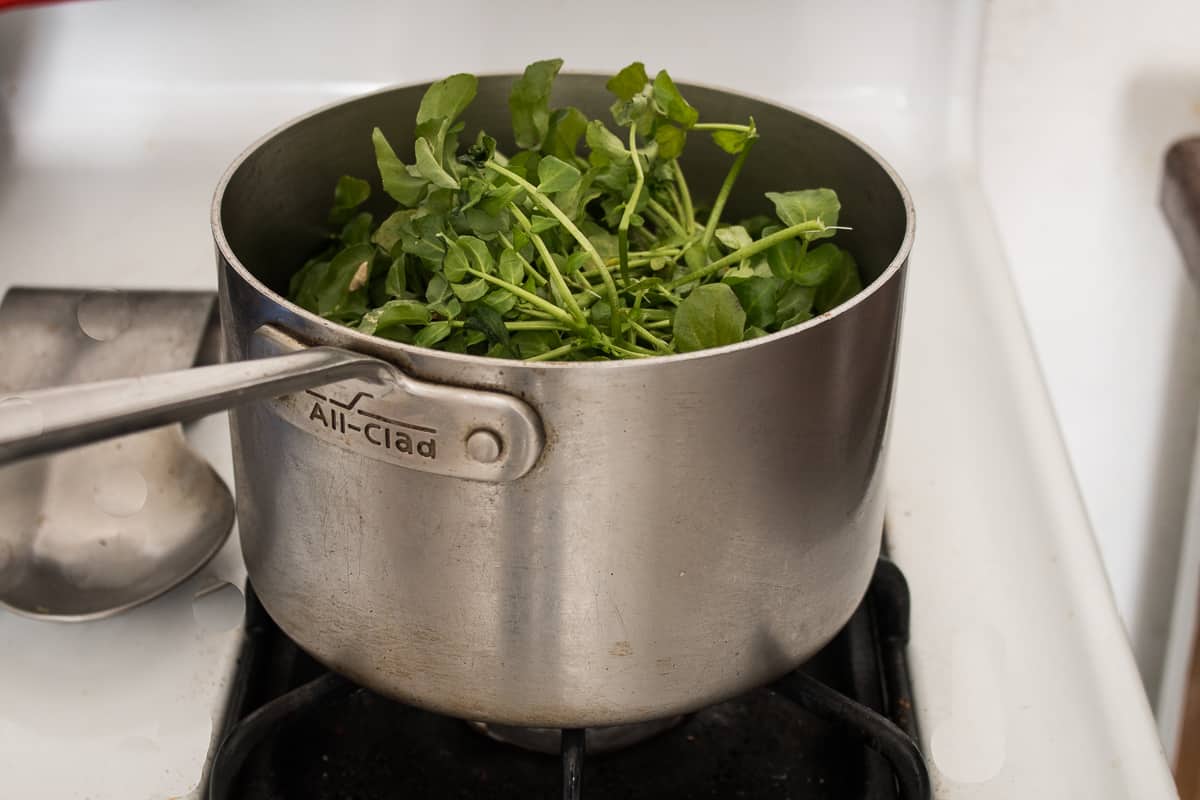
{"x": 529, "y": 270}
{"x": 533, "y": 312}
{"x": 658, "y": 324}
{"x": 659, "y": 209}
{"x": 630, "y": 206}
{"x": 658, "y": 343}
{"x": 556, "y": 279}
{"x": 535, "y": 325}
{"x": 765, "y": 243}
{"x": 673, "y": 193}
{"x": 550, "y": 355}
{"x": 584, "y": 242}
{"x": 528, "y": 297}
{"x": 719, "y": 204}
{"x": 721, "y": 126}
{"x": 689, "y": 211}
{"x": 524, "y": 325}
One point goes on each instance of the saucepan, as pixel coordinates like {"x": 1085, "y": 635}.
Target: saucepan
{"x": 536, "y": 544}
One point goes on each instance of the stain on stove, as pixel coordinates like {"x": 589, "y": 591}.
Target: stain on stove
{"x": 621, "y": 648}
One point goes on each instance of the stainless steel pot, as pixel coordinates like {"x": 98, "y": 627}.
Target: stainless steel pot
{"x": 559, "y": 545}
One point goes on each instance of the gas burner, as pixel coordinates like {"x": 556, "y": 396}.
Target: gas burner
{"x": 598, "y": 740}
{"x": 840, "y": 727}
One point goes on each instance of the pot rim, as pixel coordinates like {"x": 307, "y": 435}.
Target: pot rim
{"x": 359, "y": 341}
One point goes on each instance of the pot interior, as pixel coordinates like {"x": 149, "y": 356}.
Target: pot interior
{"x": 273, "y": 208}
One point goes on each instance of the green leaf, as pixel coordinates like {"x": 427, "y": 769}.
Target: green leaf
{"x": 392, "y": 313}
{"x": 732, "y": 142}
{"x": 755, "y": 225}
{"x": 397, "y": 277}
{"x": 488, "y": 321}
{"x": 605, "y": 145}
{"x": 710, "y": 316}
{"x": 496, "y": 200}
{"x": 478, "y": 154}
{"x": 394, "y": 228}
{"x": 501, "y": 299}
{"x": 455, "y": 264}
{"x": 817, "y": 265}
{"x": 575, "y": 261}
{"x": 794, "y": 305}
{"x": 397, "y": 333}
{"x": 807, "y": 205}
{"x": 843, "y": 283}
{"x": 567, "y": 126}
{"x": 639, "y": 109}
{"x": 401, "y": 186}
{"x": 784, "y": 257}
{"x": 478, "y": 252}
{"x": 438, "y": 289}
{"x": 449, "y": 308}
{"x": 527, "y": 344}
{"x": 432, "y": 333}
{"x": 472, "y": 190}
{"x": 304, "y": 284}
{"x": 487, "y": 223}
{"x": 348, "y": 194}
{"x": 758, "y": 297}
{"x": 754, "y": 332}
{"x": 671, "y": 141}
{"x": 447, "y": 98}
{"x": 734, "y": 237}
{"x": 629, "y": 81}
{"x": 525, "y": 164}
{"x": 541, "y": 224}
{"x": 556, "y": 175}
{"x": 573, "y": 201}
{"x": 430, "y": 169}
{"x": 529, "y": 103}
{"x": 347, "y": 274}
{"x": 470, "y": 292}
{"x": 605, "y": 242}
{"x": 671, "y": 102}
{"x": 512, "y": 269}
{"x": 357, "y": 230}
{"x": 600, "y": 314}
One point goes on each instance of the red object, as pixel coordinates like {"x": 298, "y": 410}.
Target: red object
{"x": 7, "y": 4}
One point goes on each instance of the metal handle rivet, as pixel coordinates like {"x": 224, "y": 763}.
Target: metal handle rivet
{"x": 483, "y": 446}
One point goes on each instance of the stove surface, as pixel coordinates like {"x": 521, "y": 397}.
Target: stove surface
{"x": 806, "y": 736}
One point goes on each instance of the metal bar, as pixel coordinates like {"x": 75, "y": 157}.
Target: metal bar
{"x": 574, "y": 746}
{"x": 856, "y": 720}
{"x": 890, "y": 602}
{"x": 246, "y": 735}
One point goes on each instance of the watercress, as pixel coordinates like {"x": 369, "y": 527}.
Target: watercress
{"x": 548, "y": 253}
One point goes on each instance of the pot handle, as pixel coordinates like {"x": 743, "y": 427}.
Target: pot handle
{"x": 44, "y": 421}
{"x": 429, "y": 427}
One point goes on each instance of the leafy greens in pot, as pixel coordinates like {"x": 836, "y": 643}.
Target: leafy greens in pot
{"x": 549, "y": 255}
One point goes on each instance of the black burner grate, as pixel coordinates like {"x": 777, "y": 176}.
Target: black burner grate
{"x": 840, "y": 728}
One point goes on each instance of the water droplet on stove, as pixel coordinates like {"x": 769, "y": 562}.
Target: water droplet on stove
{"x": 19, "y": 417}
{"x": 120, "y": 491}
{"x": 969, "y": 745}
{"x": 104, "y": 316}
{"x": 219, "y": 607}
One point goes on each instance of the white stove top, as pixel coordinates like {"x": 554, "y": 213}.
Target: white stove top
{"x": 123, "y": 114}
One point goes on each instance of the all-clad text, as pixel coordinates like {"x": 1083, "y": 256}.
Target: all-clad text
{"x": 375, "y": 431}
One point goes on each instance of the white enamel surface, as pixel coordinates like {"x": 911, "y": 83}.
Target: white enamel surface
{"x": 120, "y": 118}
{"x": 1078, "y": 105}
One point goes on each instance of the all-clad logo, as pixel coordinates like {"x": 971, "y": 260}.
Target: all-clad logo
{"x": 376, "y": 430}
